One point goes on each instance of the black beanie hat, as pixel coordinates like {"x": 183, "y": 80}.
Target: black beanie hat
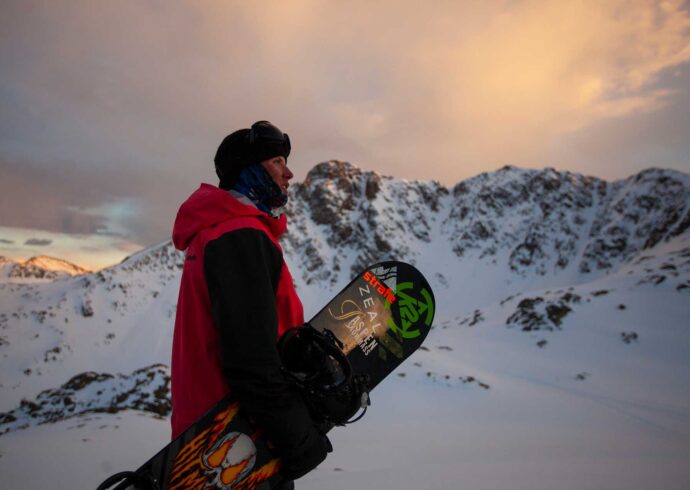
{"x": 247, "y": 146}
{"x": 232, "y": 156}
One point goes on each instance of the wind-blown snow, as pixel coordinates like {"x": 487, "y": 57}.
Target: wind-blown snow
{"x": 560, "y": 356}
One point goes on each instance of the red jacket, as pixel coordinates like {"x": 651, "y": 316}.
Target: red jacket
{"x": 236, "y": 297}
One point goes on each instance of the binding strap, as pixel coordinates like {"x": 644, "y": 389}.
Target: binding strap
{"x": 129, "y": 479}
{"x": 316, "y": 364}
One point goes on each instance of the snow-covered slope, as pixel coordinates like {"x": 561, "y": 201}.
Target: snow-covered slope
{"x": 116, "y": 320}
{"x": 560, "y": 353}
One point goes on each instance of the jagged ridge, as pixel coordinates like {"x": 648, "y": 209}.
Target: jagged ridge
{"x": 544, "y": 220}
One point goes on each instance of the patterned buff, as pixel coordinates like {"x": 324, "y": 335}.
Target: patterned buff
{"x": 255, "y": 183}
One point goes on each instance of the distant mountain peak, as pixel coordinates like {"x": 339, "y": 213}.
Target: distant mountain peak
{"x": 42, "y": 267}
{"x": 55, "y": 264}
{"x": 333, "y": 169}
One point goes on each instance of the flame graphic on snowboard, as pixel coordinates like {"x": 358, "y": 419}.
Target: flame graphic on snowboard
{"x": 216, "y": 459}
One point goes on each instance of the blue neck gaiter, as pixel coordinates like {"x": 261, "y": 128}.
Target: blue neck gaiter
{"x": 255, "y": 183}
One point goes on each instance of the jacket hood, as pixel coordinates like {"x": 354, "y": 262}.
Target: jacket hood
{"x": 209, "y": 206}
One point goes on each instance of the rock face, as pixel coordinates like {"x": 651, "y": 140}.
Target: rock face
{"x": 146, "y": 389}
{"x": 543, "y": 221}
{"x": 538, "y": 217}
{"x": 344, "y": 218}
{"x": 637, "y": 214}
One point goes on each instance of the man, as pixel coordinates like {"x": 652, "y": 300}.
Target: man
{"x": 237, "y": 297}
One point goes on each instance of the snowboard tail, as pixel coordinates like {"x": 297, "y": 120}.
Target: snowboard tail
{"x": 378, "y": 320}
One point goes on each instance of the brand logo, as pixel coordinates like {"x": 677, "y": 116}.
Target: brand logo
{"x": 412, "y": 311}
{"x": 382, "y": 289}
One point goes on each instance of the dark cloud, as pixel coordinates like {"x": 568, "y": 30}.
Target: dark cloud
{"x": 66, "y": 197}
{"x": 8, "y": 242}
{"x": 38, "y": 242}
{"x": 43, "y": 196}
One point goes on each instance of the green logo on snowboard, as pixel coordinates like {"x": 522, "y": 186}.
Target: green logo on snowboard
{"x": 412, "y": 310}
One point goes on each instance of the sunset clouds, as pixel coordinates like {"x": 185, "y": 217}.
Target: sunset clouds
{"x": 442, "y": 90}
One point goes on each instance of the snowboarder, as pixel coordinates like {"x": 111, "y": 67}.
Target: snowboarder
{"x": 237, "y": 297}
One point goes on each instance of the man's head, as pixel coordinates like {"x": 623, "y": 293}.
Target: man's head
{"x": 245, "y": 147}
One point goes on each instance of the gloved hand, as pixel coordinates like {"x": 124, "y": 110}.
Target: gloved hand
{"x": 296, "y": 466}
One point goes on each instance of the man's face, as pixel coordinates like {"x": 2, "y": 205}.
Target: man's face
{"x": 278, "y": 169}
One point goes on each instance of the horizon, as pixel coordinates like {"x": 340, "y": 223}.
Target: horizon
{"x": 104, "y": 256}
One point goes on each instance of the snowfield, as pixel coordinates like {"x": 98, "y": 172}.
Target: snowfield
{"x": 559, "y": 357}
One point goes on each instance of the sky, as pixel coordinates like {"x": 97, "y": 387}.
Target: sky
{"x": 111, "y": 112}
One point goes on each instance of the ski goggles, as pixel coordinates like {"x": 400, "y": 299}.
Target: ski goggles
{"x": 263, "y": 132}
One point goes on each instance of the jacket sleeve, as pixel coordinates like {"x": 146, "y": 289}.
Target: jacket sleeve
{"x": 242, "y": 270}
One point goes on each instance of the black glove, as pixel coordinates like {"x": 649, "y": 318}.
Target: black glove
{"x": 298, "y": 465}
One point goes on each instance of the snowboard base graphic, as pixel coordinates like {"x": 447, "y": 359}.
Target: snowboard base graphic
{"x": 378, "y": 320}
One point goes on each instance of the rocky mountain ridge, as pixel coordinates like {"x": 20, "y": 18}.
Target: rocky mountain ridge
{"x": 146, "y": 389}
{"x": 544, "y": 221}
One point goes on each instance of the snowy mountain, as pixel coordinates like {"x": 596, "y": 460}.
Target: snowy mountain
{"x": 510, "y": 229}
{"x": 111, "y": 320}
{"x": 546, "y": 221}
{"x": 39, "y": 267}
{"x": 560, "y": 298}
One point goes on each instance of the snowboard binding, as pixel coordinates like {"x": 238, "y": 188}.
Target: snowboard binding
{"x": 315, "y": 363}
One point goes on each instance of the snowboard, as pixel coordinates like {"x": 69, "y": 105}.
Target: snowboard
{"x": 378, "y": 320}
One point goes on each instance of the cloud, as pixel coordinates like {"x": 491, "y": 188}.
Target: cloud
{"x": 606, "y": 146}
{"x": 38, "y": 242}
{"x": 91, "y": 251}
{"x": 386, "y": 84}
{"x": 106, "y": 129}
{"x": 7, "y": 242}
{"x": 535, "y": 71}
{"x": 38, "y": 195}
{"x": 137, "y": 203}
